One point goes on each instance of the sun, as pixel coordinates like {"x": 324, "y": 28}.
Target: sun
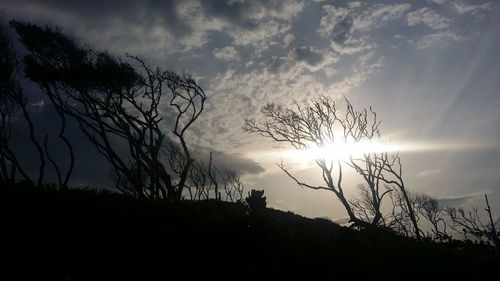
{"x": 339, "y": 150}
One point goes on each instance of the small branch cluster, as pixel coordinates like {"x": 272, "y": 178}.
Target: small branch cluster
{"x": 206, "y": 180}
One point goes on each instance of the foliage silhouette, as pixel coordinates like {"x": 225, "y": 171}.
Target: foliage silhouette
{"x": 256, "y": 201}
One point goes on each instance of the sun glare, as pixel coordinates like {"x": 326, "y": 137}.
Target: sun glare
{"x": 339, "y": 151}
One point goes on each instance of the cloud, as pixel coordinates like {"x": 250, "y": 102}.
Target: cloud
{"x": 463, "y": 7}
{"x": 462, "y": 200}
{"x": 348, "y": 27}
{"x": 162, "y": 27}
{"x": 339, "y": 19}
{"x": 365, "y": 67}
{"x": 39, "y": 104}
{"x": 288, "y": 39}
{"x": 253, "y": 23}
{"x": 379, "y": 15}
{"x": 247, "y": 13}
{"x": 429, "y": 173}
{"x": 428, "y": 17}
{"x": 308, "y": 55}
{"x": 440, "y": 2}
{"x": 333, "y": 16}
{"x": 352, "y": 46}
{"x": 227, "y": 53}
{"x": 337, "y": 25}
{"x": 237, "y": 163}
{"x": 439, "y": 38}
{"x": 108, "y": 24}
{"x": 343, "y": 221}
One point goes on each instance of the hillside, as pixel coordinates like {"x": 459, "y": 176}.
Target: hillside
{"x": 87, "y": 235}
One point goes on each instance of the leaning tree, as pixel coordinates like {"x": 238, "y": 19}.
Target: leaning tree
{"x": 12, "y": 103}
{"x": 124, "y": 107}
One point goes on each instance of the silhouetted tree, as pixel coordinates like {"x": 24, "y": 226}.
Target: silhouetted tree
{"x": 318, "y": 124}
{"x": 469, "y": 222}
{"x": 233, "y": 185}
{"x": 117, "y": 103}
{"x": 368, "y": 205}
{"x": 12, "y": 100}
{"x": 399, "y": 220}
{"x": 392, "y": 174}
{"x": 429, "y": 208}
{"x": 199, "y": 183}
{"x": 8, "y": 107}
{"x": 207, "y": 178}
{"x": 256, "y": 201}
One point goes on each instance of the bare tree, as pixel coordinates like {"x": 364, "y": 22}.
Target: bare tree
{"x": 367, "y": 207}
{"x": 317, "y": 124}
{"x": 233, "y": 186}
{"x": 370, "y": 166}
{"x": 119, "y": 106}
{"x": 398, "y": 219}
{"x": 199, "y": 183}
{"x": 8, "y": 108}
{"x": 429, "y": 208}
{"x": 207, "y": 178}
{"x": 469, "y": 222}
{"x": 393, "y": 175}
{"x": 491, "y": 227}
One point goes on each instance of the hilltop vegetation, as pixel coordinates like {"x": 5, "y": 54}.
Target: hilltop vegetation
{"x": 88, "y": 235}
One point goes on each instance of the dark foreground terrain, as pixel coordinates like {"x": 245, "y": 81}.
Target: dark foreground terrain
{"x": 85, "y": 235}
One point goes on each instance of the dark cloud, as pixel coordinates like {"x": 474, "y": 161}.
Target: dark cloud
{"x": 244, "y": 14}
{"x": 307, "y": 55}
{"x": 97, "y": 12}
{"x": 232, "y": 161}
{"x": 457, "y": 201}
{"x": 342, "y": 30}
{"x": 107, "y": 24}
{"x": 236, "y": 12}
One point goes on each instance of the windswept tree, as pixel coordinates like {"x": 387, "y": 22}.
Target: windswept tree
{"x": 321, "y": 124}
{"x": 32, "y": 41}
{"x": 124, "y": 107}
{"x": 12, "y": 103}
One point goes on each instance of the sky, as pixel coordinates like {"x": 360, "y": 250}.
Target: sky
{"x": 429, "y": 68}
